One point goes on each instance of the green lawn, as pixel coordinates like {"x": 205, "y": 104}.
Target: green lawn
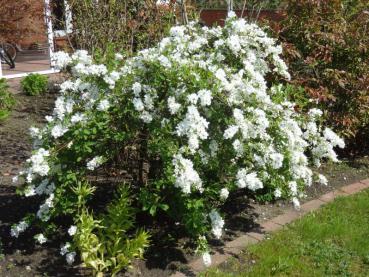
{"x": 333, "y": 241}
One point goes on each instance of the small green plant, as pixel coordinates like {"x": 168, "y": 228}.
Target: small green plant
{"x": 34, "y": 84}
{"x": 7, "y": 101}
{"x": 105, "y": 244}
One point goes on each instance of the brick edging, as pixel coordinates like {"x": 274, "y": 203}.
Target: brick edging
{"x": 235, "y": 246}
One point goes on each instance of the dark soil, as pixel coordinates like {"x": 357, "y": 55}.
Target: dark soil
{"x": 22, "y": 257}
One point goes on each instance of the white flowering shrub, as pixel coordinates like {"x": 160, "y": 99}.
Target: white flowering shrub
{"x": 199, "y": 108}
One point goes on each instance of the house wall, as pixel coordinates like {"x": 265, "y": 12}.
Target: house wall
{"x": 35, "y": 23}
{"x": 211, "y": 17}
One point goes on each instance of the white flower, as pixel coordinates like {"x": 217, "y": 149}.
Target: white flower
{"x": 186, "y": 176}
{"x": 173, "y": 105}
{"x": 322, "y": 180}
{"x": 224, "y": 193}
{"x": 205, "y": 97}
{"x": 112, "y": 78}
{"x": 238, "y": 147}
{"x": 192, "y": 98}
{"x": 194, "y": 126}
{"x": 78, "y": 117}
{"x": 138, "y": 104}
{"x": 40, "y": 238}
{"x": 277, "y": 193}
{"x": 15, "y": 179}
{"x": 49, "y": 118}
{"x": 231, "y": 14}
{"x": 65, "y": 249}
{"x": 70, "y": 257}
{"x": 296, "y": 203}
{"x": 293, "y": 187}
{"x": 146, "y": 117}
{"x": 72, "y": 230}
{"x": 276, "y": 160}
{"x": 118, "y": 56}
{"x": 18, "y": 229}
{"x": 206, "y": 258}
{"x": 104, "y": 105}
{"x": 29, "y": 191}
{"x": 58, "y": 131}
{"x": 61, "y": 59}
{"x": 217, "y": 223}
{"x": 230, "y": 131}
{"x": 136, "y": 88}
{"x": 249, "y": 180}
{"x": 38, "y": 164}
{"x": 333, "y": 138}
{"x": 35, "y": 132}
{"x": 95, "y": 162}
{"x": 314, "y": 113}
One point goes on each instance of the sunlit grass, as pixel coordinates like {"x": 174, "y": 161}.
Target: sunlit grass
{"x": 333, "y": 241}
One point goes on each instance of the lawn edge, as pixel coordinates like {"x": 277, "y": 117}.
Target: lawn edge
{"x": 234, "y": 247}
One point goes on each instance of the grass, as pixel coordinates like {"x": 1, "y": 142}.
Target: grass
{"x": 333, "y": 241}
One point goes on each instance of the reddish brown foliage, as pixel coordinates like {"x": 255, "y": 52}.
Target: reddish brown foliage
{"x": 326, "y": 44}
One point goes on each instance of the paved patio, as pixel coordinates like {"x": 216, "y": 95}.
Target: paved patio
{"x": 26, "y": 66}
{"x": 29, "y": 61}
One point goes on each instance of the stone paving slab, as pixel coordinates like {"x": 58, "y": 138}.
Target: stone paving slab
{"x": 312, "y": 205}
{"x": 365, "y": 182}
{"x": 270, "y": 226}
{"x": 234, "y": 247}
{"x": 286, "y": 218}
{"x": 353, "y": 188}
{"x": 330, "y": 196}
{"x": 241, "y": 242}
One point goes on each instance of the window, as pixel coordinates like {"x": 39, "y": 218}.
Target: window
{"x": 61, "y": 18}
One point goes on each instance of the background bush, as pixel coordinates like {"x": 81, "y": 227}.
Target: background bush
{"x": 35, "y": 84}
{"x": 7, "y": 101}
{"x": 127, "y": 25}
{"x": 326, "y": 45}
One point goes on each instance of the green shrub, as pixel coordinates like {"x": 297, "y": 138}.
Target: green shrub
{"x": 7, "y": 101}
{"x": 128, "y": 25}
{"x": 34, "y": 84}
{"x": 191, "y": 121}
{"x": 326, "y": 45}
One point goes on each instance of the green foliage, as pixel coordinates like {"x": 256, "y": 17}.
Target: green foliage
{"x": 127, "y": 25}
{"x": 34, "y": 84}
{"x": 7, "y": 101}
{"x": 326, "y": 44}
{"x": 105, "y": 243}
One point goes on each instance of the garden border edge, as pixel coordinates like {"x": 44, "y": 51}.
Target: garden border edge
{"x": 234, "y": 247}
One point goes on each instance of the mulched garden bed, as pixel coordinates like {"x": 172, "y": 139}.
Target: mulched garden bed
{"x": 167, "y": 254}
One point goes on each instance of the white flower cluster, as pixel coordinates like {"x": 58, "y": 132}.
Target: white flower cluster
{"x": 186, "y": 176}
{"x": 43, "y": 212}
{"x": 69, "y": 255}
{"x": 194, "y": 127}
{"x": 18, "y": 228}
{"x": 38, "y": 165}
{"x": 248, "y": 180}
{"x": 224, "y": 193}
{"x": 95, "y": 163}
{"x": 41, "y": 239}
{"x": 217, "y": 223}
{"x": 72, "y": 230}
